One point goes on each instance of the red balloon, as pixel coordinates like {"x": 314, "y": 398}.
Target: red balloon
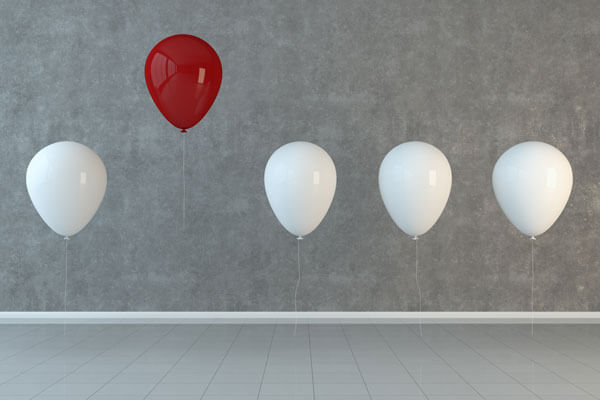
{"x": 183, "y": 75}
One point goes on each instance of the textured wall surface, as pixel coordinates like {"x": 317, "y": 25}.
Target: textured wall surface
{"x": 356, "y": 77}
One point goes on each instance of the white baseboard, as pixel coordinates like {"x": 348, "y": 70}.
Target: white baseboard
{"x": 316, "y": 317}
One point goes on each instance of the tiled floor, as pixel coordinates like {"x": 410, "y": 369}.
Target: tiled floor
{"x": 324, "y": 362}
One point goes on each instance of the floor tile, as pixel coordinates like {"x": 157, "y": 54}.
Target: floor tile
{"x": 242, "y": 389}
{"x": 343, "y": 397}
{"x": 388, "y": 389}
{"x": 179, "y": 389}
{"x": 592, "y": 388}
{"x": 125, "y": 389}
{"x": 286, "y": 389}
{"x": 73, "y": 389}
{"x": 22, "y": 389}
{"x": 512, "y": 397}
{"x": 347, "y": 389}
{"x": 487, "y": 389}
{"x": 447, "y": 389}
{"x": 220, "y": 397}
{"x": 555, "y": 389}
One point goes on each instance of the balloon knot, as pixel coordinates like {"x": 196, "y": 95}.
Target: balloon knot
{"x": 66, "y": 238}
{"x": 415, "y": 238}
{"x": 183, "y": 131}
{"x": 299, "y": 238}
{"x": 532, "y": 238}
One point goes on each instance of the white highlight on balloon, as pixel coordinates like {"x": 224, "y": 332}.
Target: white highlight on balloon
{"x": 432, "y": 177}
{"x": 316, "y": 177}
{"x": 415, "y": 179}
{"x": 66, "y": 182}
{"x": 300, "y": 181}
{"x": 532, "y": 183}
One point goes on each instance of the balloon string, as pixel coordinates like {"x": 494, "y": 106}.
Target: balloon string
{"x": 297, "y": 285}
{"x": 183, "y": 181}
{"x": 66, "y": 271}
{"x": 66, "y": 280}
{"x": 532, "y": 279}
{"x": 416, "y": 239}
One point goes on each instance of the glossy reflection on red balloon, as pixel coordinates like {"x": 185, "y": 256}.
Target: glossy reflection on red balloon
{"x": 183, "y": 75}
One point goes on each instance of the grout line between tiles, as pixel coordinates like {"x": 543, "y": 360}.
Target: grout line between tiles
{"x": 262, "y": 378}
{"x": 206, "y": 327}
{"x": 56, "y": 354}
{"x": 400, "y": 361}
{"x": 490, "y": 361}
{"x": 21, "y": 334}
{"x": 222, "y": 360}
{"x": 33, "y": 345}
{"x": 534, "y": 361}
{"x": 558, "y": 352}
{"x": 356, "y": 362}
{"x": 91, "y": 359}
{"x": 556, "y": 331}
{"x": 445, "y": 361}
{"x": 161, "y": 337}
{"x": 555, "y": 350}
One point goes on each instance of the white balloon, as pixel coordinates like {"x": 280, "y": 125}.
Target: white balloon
{"x": 415, "y": 180}
{"x": 532, "y": 182}
{"x": 66, "y": 182}
{"x": 300, "y": 181}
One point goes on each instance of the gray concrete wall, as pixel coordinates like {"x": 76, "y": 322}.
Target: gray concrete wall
{"x": 356, "y": 77}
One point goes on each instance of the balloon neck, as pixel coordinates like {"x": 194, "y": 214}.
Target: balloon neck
{"x": 299, "y": 238}
{"x": 183, "y": 131}
{"x": 532, "y": 238}
{"x": 415, "y": 237}
{"x": 66, "y": 238}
